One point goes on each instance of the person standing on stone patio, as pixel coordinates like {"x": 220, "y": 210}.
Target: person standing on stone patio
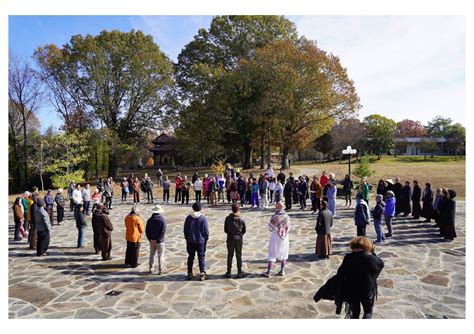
{"x": 86, "y": 199}
{"x": 359, "y": 272}
{"x": 177, "y": 181}
{"x": 197, "y": 185}
{"x": 361, "y": 215}
{"x": 196, "y": 233}
{"x": 347, "y": 186}
{"x": 18, "y": 217}
{"x": 155, "y": 232}
{"x": 108, "y": 191}
{"x": 133, "y": 234}
{"x": 389, "y": 211}
{"x": 166, "y": 190}
{"x": 43, "y": 228}
{"x": 288, "y": 193}
{"x": 80, "y": 225}
{"x": 125, "y": 189}
{"x": 331, "y": 193}
{"x": 447, "y": 214}
{"x": 60, "y": 204}
{"x": 427, "y": 198}
{"x": 105, "y": 228}
{"x": 96, "y": 217}
{"x": 49, "y": 205}
{"x": 323, "y": 230}
{"x": 416, "y": 198}
{"x": 234, "y": 227}
{"x": 397, "y": 190}
{"x": 76, "y": 196}
{"x": 405, "y": 199}
{"x": 70, "y": 191}
{"x": 377, "y": 213}
{"x": 185, "y": 187}
{"x": 279, "y": 245}
{"x": 136, "y": 190}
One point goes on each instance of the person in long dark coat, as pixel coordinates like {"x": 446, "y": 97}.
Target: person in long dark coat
{"x": 288, "y": 193}
{"x": 96, "y": 216}
{"x": 405, "y": 199}
{"x": 427, "y": 198}
{"x": 105, "y": 228}
{"x": 359, "y": 272}
{"x": 437, "y": 201}
{"x": 381, "y": 188}
{"x": 416, "y": 198}
{"x": 447, "y": 212}
{"x": 397, "y": 190}
{"x": 323, "y": 229}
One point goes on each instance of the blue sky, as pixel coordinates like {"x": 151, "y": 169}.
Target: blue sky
{"x": 403, "y": 66}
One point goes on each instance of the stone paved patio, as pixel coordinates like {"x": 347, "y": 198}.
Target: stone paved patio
{"x": 424, "y": 277}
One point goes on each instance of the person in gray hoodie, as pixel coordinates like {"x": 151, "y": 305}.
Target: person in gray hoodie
{"x": 43, "y": 228}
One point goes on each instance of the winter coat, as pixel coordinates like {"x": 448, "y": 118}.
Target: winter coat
{"x": 103, "y": 224}
{"x": 18, "y": 213}
{"x": 347, "y": 186}
{"x": 288, "y": 190}
{"x": 359, "y": 272}
{"x": 42, "y": 221}
{"x": 156, "y": 228}
{"x": 133, "y": 227}
{"x": 303, "y": 187}
{"x": 281, "y": 177}
{"x": 390, "y": 205}
{"x": 378, "y": 210}
{"x": 80, "y": 220}
{"x": 49, "y": 201}
{"x": 234, "y": 227}
{"x": 332, "y": 290}
{"x": 59, "y": 199}
{"x": 324, "y": 222}
{"x": 178, "y": 182}
{"x": 241, "y": 185}
{"x": 427, "y": 198}
{"x": 196, "y": 229}
{"x": 197, "y": 185}
{"x": 86, "y": 195}
{"x": 361, "y": 214}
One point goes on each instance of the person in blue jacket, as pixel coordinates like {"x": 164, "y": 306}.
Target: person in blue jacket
{"x": 155, "y": 232}
{"x": 196, "y": 233}
{"x": 389, "y": 212}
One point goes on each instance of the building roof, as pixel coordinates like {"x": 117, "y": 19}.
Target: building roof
{"x": 164, "y": 138}
{"x": 419, "y": 139}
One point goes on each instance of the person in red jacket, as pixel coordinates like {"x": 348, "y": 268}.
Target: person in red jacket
{"x": 323, "y": 179}
{"x": 178, "y": 181}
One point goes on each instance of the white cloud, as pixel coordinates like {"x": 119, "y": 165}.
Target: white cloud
{"x": 403, "y": 66}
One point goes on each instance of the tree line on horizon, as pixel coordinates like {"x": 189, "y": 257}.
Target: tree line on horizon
{"x": 245, "y": 86}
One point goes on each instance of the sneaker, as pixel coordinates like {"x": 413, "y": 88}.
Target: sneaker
{"x": 190, "y": 276}
{"x": 227, "y": 275}
{"x": 203, "y": 276}
{"x": 281, "y": 273}
{"x": 266, "y": 274}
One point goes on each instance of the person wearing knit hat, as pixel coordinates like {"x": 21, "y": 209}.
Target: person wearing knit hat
{"x": 43, "y": 228}
{"x": 196, "y": 233}
{"x": 234, "y": 227}
{"x": 377, "y": 213}
{"x": 155, "y": 233}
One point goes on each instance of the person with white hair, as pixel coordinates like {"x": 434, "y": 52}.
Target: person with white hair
{"x": 60, "y": 204}
{"x": 155, "y": 232}
{"x": 279, "y": 245}
{"x": 77, "y": 196}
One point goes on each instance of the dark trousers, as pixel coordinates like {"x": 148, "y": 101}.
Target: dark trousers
{"x": 361, "y": 231}
{"x": 87, "y": 205}
{"x": 149, "y": 195}
{"x": 136, "y": 197}
{"x": 288, "y": 202}
{"x": 367, "y": 304}
{"x": 166, "y": 195}
{"x": 184, "y": 196}
{"x": 50, "y": 211}
{"x": 71, "y": 205}
{"x": 105, "y": 247}
{"x": 42, "y": 242}
{"x": 199, "y": 248}
{"x": 108, "y": 202}
{"x": 131, "y": 254}
{"x": 198, "y": 195}
{"x": 271, "y": 195}
{"x": 17, "y": 230}
{"x": 228, "y": 195}
{"x": 303, "y": 200}
{"x": 96, "y": 242}
{"x": 242, "y": 197}
{"x": 177, "y": 195}
{"x": 234, "y": 245}
{"x": 124, "y": 195}
{"x": 348, "y": 199}
{"x": 60, "y": 214}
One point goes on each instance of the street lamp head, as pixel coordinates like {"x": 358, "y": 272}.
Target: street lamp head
{"x": 349, "y": 150}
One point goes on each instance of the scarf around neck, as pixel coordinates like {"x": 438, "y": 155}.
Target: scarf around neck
{"x": 280, "y": 223}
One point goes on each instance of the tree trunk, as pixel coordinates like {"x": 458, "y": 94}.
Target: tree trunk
{"x": 96, "y": 158}
{"x": 113, "y": 165}
{"x": 269, "y": 156}
{"x": 247, "y": 156}
{"x": 25, "y": 155}
{"x": 284, "y": 157}
{"x": 262, "y": 153}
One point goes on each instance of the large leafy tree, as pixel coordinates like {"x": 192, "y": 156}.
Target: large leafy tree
{"x": 439, "y": 126}
{"x": 380, "y": 133}
{"x": 206, "y": 73}
{"x": 122, "y": 79}
{"x": 456, "y": 138}
{"x": 306, "y": 91}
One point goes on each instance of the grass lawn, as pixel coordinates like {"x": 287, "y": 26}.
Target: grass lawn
{"x": 439, "y": 171}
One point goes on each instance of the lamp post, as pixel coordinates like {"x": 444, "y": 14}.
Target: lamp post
{"x": 349, "y": 150}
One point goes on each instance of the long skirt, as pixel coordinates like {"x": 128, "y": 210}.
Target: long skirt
{"x": 449, "y": 232}
{"x": 131, "y": 254}
{"x": 405, "y": 206}
{"x": 416, "y": 212}
{"x": 427, "y": 211}
{"x": 105, "y": 247}
{"x": 323, "y": 245}
{"x": 43, "y": 242}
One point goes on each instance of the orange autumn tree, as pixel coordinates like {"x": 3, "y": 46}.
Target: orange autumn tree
{"x": 306, "y": 91}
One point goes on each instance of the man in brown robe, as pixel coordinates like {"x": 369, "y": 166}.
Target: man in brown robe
{"x": 104, "y": 228}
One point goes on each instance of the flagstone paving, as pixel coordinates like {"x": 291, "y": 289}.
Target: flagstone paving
{"x": 424, "y": 277}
